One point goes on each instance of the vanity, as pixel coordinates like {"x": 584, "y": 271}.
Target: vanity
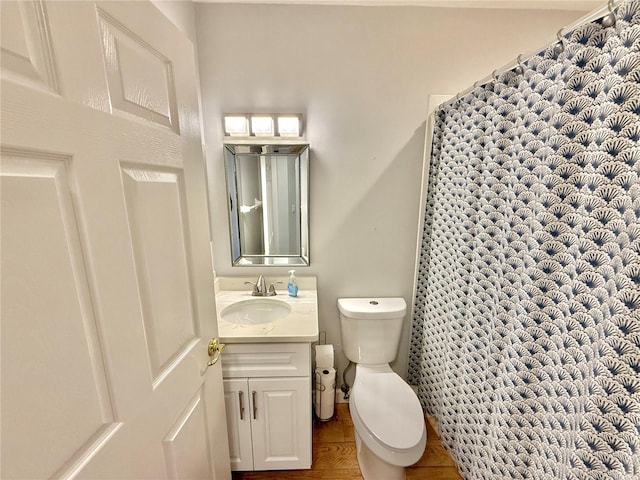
{"x": 266, "y": 368}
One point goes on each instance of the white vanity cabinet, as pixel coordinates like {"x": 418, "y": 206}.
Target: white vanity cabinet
{"x": 268, "y": 401}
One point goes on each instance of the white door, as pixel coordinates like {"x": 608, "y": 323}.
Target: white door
{"x": 107, "y": 296}
{"x": 238, "y": 406}
{"x": 281, "y": 422}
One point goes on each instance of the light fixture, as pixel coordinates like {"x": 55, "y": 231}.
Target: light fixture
{"x": 263, "y": 125}
{"x": 236, "y": 125}
{"x": 289, "y": 126}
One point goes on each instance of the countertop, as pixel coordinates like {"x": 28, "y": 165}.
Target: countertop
{"x": 301, "y": 325}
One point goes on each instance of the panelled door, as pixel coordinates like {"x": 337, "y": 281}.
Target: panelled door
{"x": 269, "y": 422}
{"x": 107, "y": 296}
{"x": 239, "y": 410}
{"x": 280, "y": 422}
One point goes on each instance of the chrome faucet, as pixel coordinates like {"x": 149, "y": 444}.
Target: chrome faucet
{"x": 260, "y": 288}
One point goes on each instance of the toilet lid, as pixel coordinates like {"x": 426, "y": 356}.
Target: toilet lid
{"x": 389, "y": 409}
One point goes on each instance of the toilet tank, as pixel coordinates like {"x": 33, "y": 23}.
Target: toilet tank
{"x": 371, "y": 328}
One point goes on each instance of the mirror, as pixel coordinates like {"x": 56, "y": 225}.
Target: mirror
{"x": 268, "y": 190}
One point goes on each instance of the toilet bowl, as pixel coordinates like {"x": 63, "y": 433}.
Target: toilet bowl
{"x": 387, "y": 417}
{"x": 388, "y": 422}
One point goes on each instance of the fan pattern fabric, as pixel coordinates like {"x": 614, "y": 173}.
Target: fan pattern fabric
{"x": 526, "y": 331}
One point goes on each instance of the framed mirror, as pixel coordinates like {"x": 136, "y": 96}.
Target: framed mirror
{"x": 268, "y": 194}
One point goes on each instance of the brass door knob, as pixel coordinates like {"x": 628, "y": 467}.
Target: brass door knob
{"x": 215, "y": 350}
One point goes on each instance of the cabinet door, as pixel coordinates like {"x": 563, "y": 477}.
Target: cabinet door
{"x": 281, "y": 422}
{"x": 236, "y": 399}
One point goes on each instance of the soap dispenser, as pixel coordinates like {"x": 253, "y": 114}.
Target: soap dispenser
{"x": 292, "y": 286}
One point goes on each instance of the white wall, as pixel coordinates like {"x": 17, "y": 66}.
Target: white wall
{"x": 181, "y": 13}
{"x": 361, "y": 77}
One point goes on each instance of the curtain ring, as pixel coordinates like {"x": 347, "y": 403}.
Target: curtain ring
{"x": 610, "y": 19}
{"x": 558, "y": 48}
{"x": 519, "y": 70}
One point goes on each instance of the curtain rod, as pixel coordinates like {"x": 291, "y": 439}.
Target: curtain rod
{"x": 589, "y": 17}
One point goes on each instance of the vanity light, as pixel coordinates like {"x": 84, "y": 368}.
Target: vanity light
{"x": 289, "y": 126}
{"x": 262, "y": 126}
{"x": 236, "y": 125}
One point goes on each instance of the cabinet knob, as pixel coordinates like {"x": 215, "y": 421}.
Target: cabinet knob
{"x": 255, "y": 407}
{"x": 241, "y": 401}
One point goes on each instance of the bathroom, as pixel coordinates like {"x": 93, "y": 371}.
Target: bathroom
{"x": 361, "y": 77}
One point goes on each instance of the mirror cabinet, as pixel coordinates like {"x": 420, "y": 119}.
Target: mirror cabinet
{"x": 268, "y": 203}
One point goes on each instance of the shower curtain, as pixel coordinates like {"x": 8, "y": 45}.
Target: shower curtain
{"x": 526, "y": 331}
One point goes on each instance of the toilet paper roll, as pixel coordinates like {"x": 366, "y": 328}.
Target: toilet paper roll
{"x": 325, "y": 393}
{"x": 324, "y": 356}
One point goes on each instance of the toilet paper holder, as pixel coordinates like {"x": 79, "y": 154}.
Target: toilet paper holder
{"x": 325, "y": 380}
{"x": 325, "y": 392}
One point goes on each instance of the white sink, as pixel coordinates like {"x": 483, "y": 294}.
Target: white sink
{"x": 243, "y": 318}
{"x": 255, "y": 311}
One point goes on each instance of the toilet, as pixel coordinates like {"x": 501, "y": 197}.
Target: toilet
{"x": 387, "y": 417}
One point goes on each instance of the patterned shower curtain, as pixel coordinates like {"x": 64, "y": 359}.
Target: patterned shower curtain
{"x": 526, "y": 334}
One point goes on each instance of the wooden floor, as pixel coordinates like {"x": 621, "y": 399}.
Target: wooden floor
{"x": 334, "y": 456}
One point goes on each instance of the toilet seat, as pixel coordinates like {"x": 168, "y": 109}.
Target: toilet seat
{"x": 390, "y": 410}
{"x": 389, "y": 415}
